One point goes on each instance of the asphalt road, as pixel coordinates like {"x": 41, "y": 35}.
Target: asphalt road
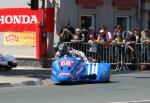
{"x": 124, "y": 87}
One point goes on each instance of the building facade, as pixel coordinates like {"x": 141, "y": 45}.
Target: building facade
{"x": 85, "y": 13}
{"x": 97, "y": 13}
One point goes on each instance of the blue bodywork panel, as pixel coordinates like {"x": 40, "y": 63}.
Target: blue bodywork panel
{"x": 70, "y": 69}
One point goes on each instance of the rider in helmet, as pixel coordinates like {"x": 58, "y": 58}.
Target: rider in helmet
{"x": 61, "y": 50}
{"x": 55, "y": 46}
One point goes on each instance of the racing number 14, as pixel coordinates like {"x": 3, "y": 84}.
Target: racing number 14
{"x": 92, "y": 68}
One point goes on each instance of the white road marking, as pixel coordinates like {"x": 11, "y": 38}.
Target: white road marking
{"x": 140, "y": 101}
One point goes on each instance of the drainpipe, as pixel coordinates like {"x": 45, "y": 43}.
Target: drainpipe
{"x": 44, "y": 37}
{"x": 139, "y": 7}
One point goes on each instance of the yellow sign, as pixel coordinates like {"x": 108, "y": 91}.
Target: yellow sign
{"x": 20, "y": 38}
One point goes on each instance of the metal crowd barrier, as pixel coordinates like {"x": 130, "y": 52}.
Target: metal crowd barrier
{"x": 114, "y": 54}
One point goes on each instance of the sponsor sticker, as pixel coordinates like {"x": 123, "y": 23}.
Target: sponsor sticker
{"x": 66, "y": 63}
{"x": 11, "y": 37}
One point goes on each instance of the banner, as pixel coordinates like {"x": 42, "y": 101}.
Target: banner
{"x": 25, "y": 19}
{"x": 20, "y": 38}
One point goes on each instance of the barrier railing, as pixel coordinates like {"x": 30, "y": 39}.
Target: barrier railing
{"x": 127, "y": 54}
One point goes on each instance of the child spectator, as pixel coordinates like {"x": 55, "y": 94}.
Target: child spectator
{"x": 93, "y": 44}
{"x": 93, "y": 47}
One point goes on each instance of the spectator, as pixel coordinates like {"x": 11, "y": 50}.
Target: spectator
{"x": 131, "y": 50}
{"x": 118, "y": 29}
{"x": 66, "y": 32}
{"x": 110, "y": 36}
{"x": 103, "y": 37}
{"x": 137, "y": 34}
{"x": 93, "y": 44}
{"x": 119, "y": 47}
{"x": 78, "y": 38}
{"x": 145, "y": 37}
{"x": 91, "y": 31}
{"x": 131, "y": 40}
{"x": 86, "y": 35}
{"x": 119, "y": 39}
{"x": 93, "y": 48}
{"x": 145, "y": 49}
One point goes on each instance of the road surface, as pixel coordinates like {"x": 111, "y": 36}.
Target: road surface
{"x": 133, "y": 87}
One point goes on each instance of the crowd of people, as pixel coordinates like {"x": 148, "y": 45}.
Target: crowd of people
{"x": 103, "y": 36}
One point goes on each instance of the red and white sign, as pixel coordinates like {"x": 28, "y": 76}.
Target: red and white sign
{"x": 11, "y": 37}
{"x": 25, "y": 19}
{"x": 66, "y": 63}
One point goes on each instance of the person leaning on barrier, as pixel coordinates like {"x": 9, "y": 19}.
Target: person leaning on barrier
{"x": 103, "y": 37}
{"x": 131, "y": 40}
{"x": 103, "y": 40}
{"x": 145, "y": 46}
{"x": 137, "y": 34}
{"x": 119, "y": 45}
{"x": 145, "y": 37}
{"x": 130, "y": 44}
{"x": 78, "y": 39}
{"x": 118, "y": 40}
{"x": 145, "y": 40}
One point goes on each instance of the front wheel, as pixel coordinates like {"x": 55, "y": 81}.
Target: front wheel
{"x": 8, "y": 68}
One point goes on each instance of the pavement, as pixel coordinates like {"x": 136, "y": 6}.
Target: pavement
{"x": 24, "y": 76}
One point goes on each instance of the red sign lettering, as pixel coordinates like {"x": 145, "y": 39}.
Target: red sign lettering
{"x": 25, "y": 19}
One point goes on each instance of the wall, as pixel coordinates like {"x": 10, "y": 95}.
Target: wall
{"x": 13, "y": 3}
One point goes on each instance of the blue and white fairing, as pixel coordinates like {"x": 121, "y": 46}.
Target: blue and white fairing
{"x": 69, "y": 69}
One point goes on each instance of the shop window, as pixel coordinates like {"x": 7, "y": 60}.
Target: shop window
{"x": 87, "y": 21}
{"x": 124, "y": 22}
